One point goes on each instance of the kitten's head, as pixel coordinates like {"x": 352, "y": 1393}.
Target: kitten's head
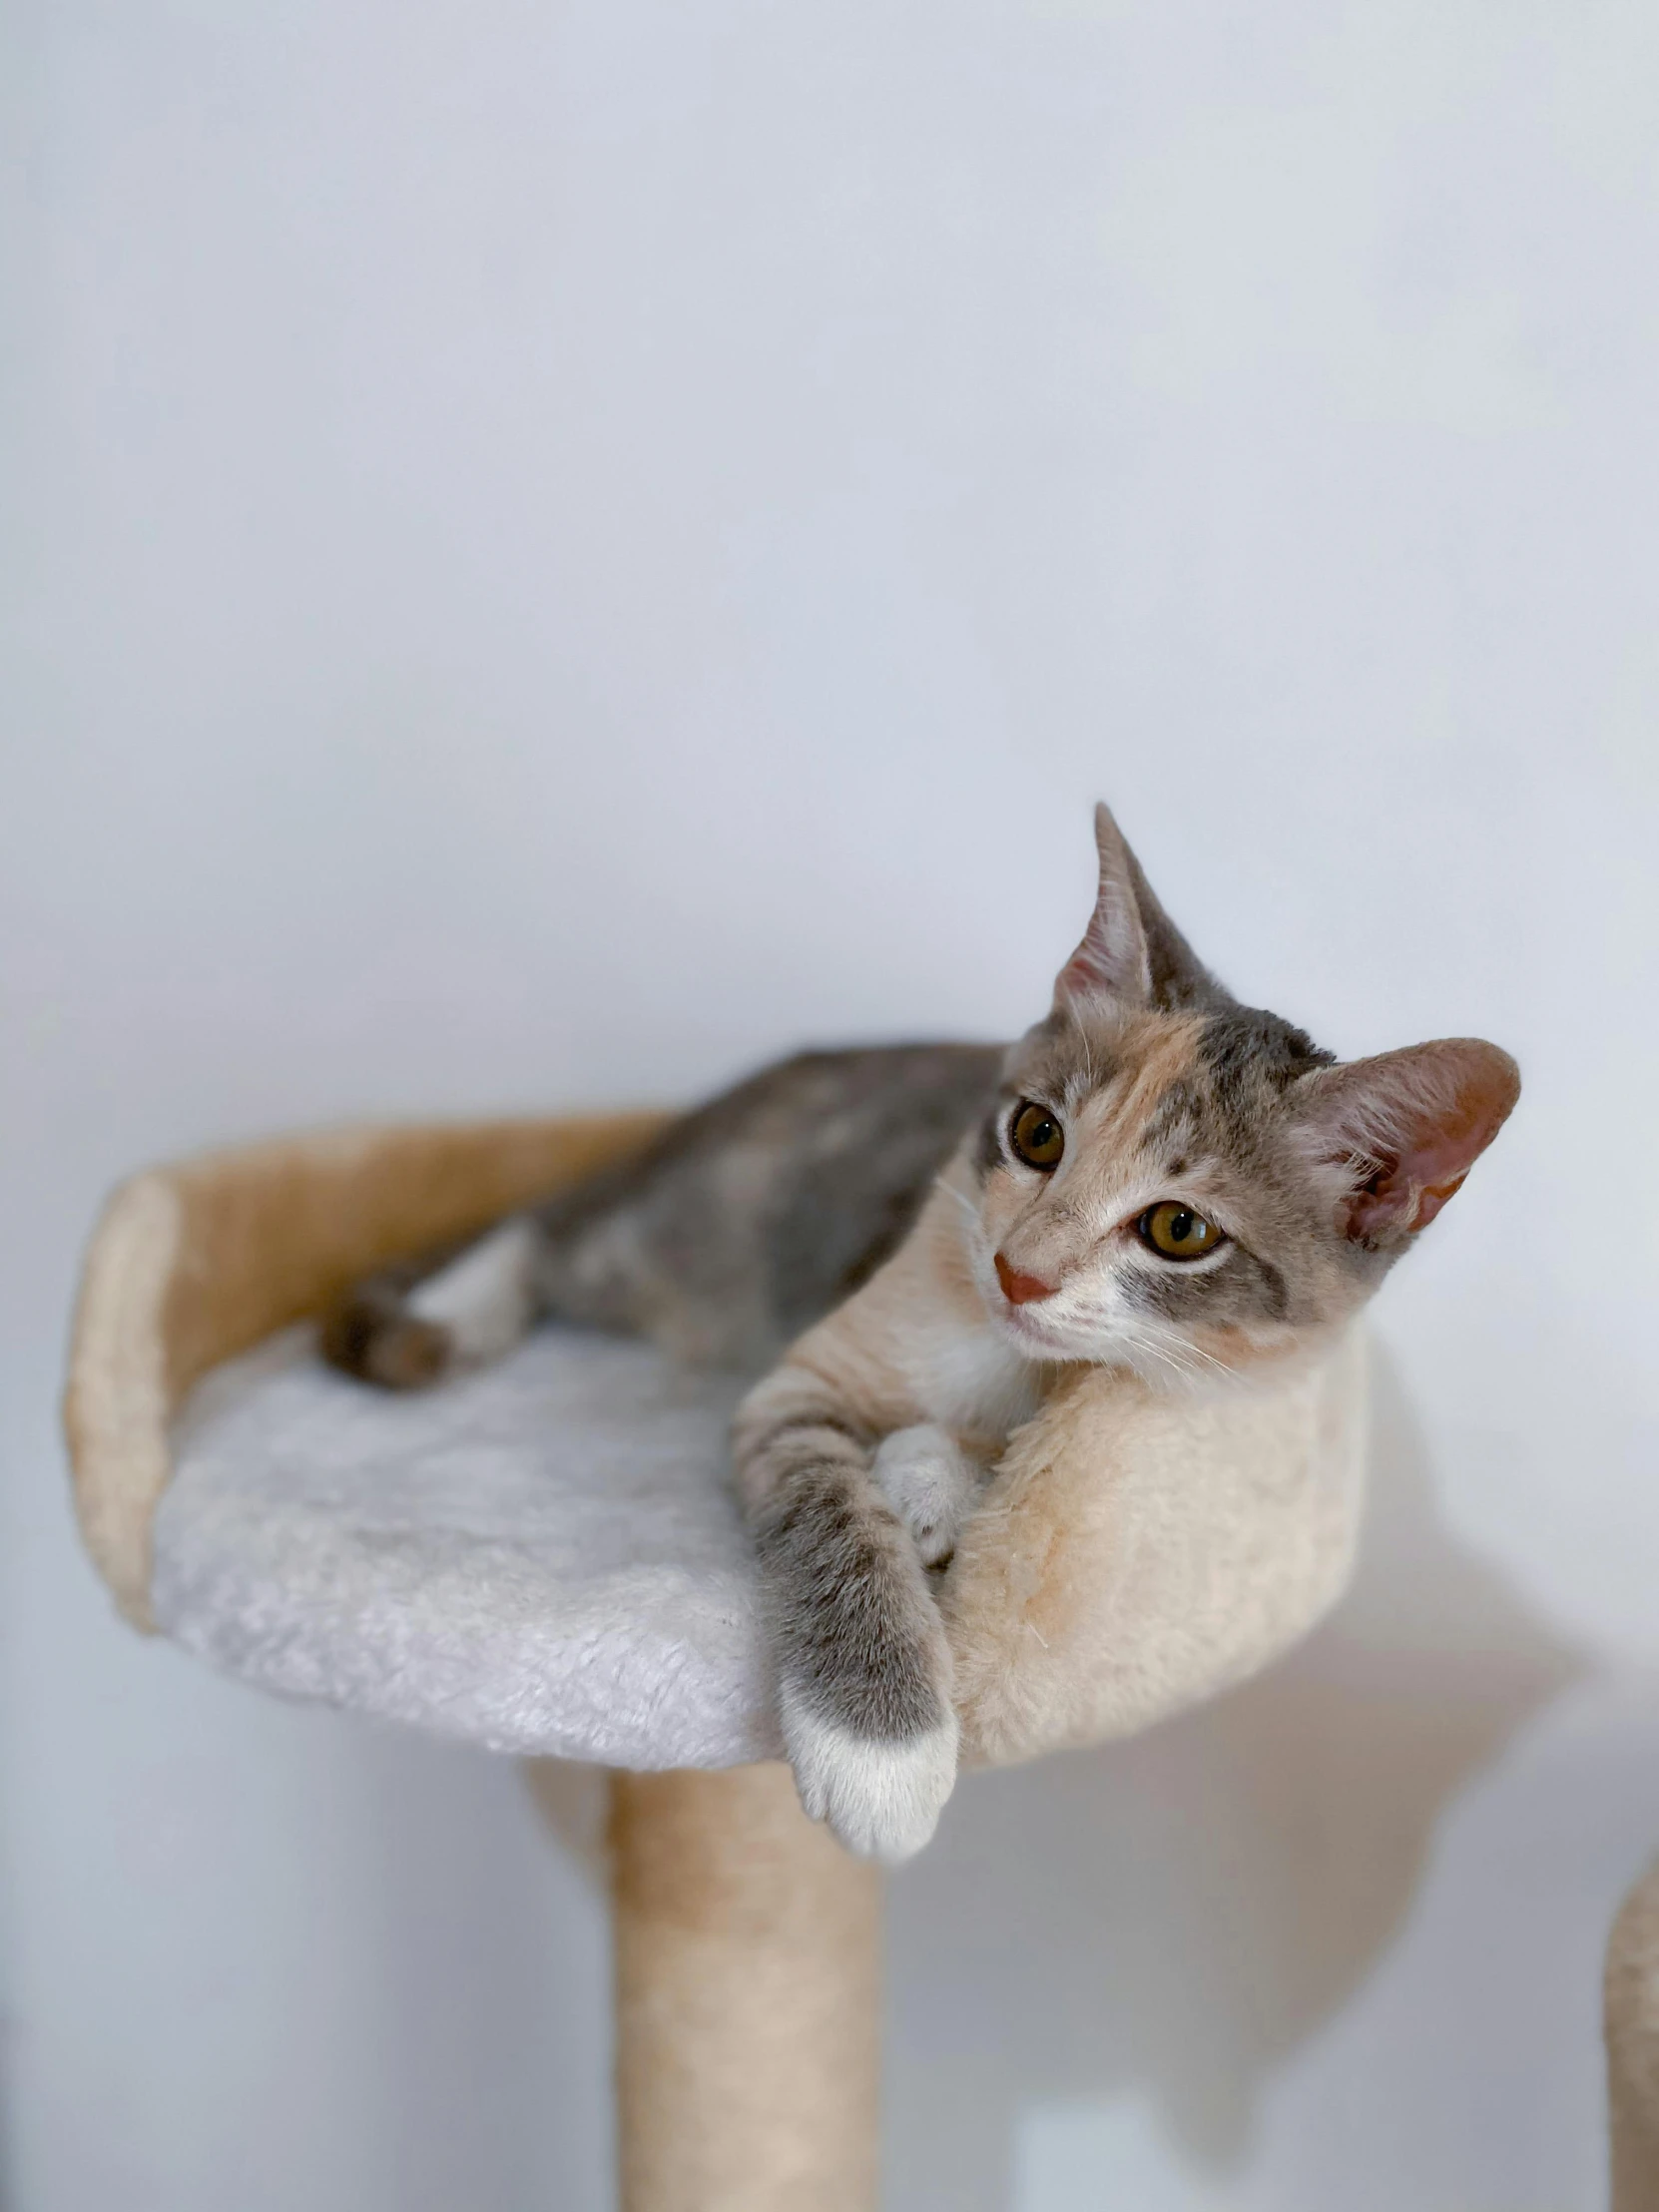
{"x": 1173, "y": 1180}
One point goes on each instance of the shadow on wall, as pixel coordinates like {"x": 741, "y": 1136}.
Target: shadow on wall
{"x": 1181, "y": 1912}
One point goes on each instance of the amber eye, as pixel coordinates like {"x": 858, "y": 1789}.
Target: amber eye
{"x": 1177, "y": 1232}
{"x": 1036, "y": 1136}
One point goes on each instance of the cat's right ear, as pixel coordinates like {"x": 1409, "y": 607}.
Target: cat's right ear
{"x": 1131, "y": 951}
{"x": 1112, "y": 961}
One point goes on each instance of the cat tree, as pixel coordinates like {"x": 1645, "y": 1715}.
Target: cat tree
{"x": 543, "y": 1559}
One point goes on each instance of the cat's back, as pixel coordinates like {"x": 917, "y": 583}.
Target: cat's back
{"x": 869, "y": 1131}
{"x": 758, "y": 1213}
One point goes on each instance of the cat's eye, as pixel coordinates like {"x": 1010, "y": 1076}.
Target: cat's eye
{"x": 1036, "y": 1137}
{"x": 1177, "y": 1232}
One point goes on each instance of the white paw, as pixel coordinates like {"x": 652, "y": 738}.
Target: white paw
{"x": 882, "y": 1800}
{"x": 931, "y": 1484}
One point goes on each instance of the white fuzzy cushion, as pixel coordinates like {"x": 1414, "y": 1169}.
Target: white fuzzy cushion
{"x": 542, "y": 1558}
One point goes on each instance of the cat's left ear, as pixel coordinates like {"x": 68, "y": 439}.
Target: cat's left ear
{"x": 1400, "y": 1132}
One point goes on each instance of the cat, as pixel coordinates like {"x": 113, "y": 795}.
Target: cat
{"x": 915, "y": 1243}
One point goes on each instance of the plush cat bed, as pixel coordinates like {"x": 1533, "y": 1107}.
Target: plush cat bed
{"x": 543, "y": 1557}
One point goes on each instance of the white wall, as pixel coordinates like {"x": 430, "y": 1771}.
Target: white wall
{"x": 555, "y": 550}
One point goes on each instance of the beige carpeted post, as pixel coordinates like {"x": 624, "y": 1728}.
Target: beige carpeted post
{"x": 747, "y": 1999}
{"x": 1631, "y": 2001}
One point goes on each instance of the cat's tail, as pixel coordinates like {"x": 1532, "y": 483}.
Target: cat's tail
{"x": 410, "y": 1325}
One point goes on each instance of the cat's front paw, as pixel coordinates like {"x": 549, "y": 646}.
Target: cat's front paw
{"x": 931, "y": 1484}
{"x": 881, "y": 1796}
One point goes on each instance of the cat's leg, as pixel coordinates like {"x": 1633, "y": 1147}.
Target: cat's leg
{"x": 585, "y": 1257}
{"x": 411, "y": 1327}
{"x": 863, "y": 1667}
{"x": 932, "y": 1483}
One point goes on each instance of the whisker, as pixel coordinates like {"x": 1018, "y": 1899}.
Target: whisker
{"x": 961, "y": 1197}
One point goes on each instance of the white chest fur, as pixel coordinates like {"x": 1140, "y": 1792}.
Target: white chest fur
{"x": 972, "y": 1381}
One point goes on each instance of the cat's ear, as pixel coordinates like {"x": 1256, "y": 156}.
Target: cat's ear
{"x": 1111, "y": 961}
{"x": 1399, "y": 1133}
{"x": 1131, "y": 950}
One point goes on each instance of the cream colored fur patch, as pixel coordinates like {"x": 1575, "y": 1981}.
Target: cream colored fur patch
{"x": 1139, "y": 1550}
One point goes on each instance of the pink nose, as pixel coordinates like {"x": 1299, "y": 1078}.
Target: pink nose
{"x": 1018, "y": 1289}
